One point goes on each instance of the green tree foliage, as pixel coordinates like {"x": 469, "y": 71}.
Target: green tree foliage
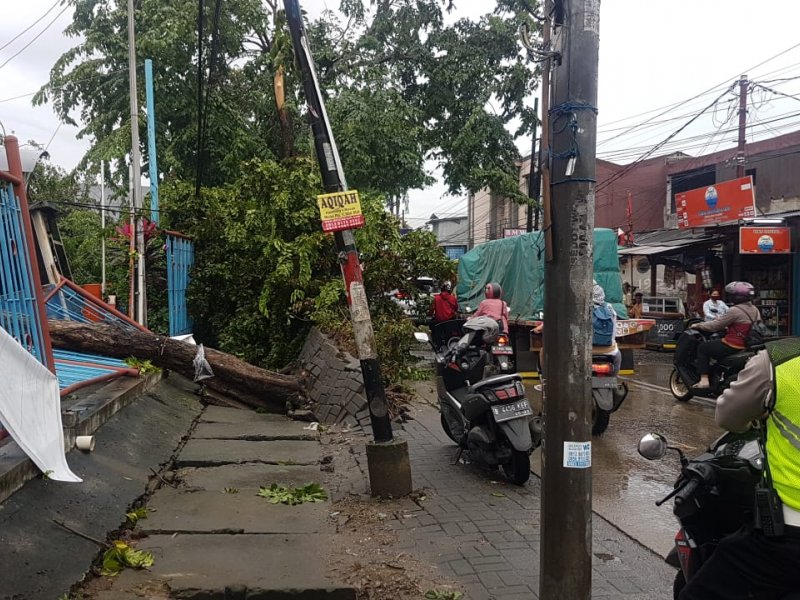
{"x": 260, "y": 240}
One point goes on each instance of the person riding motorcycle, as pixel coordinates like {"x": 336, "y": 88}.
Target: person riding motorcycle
{"x": 444, "y": 306}
{"x": 736, "y": 323}
{"x": 612, "y": 350}
{"x": 493, "y": 306}
{"x": 750, "y": 563}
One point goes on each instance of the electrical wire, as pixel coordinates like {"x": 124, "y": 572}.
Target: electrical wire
{"x": 662, "y": 143}
{"x": 36, "y": 37}
{"x": 29, "y": 27}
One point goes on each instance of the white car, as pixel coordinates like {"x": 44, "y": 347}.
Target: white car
{"x": 427, "y": 287}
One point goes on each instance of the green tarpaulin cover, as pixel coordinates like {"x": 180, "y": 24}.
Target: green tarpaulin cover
{"x": 517, "y": 264}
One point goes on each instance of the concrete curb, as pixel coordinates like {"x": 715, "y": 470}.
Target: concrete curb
{"x": 82, "y": 418}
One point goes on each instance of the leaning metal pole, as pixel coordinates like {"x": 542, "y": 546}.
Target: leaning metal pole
{"x": 386, "y": 454}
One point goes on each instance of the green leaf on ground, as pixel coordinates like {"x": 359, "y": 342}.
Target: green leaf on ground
{"x": 230, "y": 490}
{"x": 498, "y": 494}
{"x": 121, "y": 555}
{"x": 278, "y": 494}
{"x": 135, "y": 515}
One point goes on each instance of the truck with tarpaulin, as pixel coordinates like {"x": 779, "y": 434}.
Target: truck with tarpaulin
{"x": 517, "y": 264}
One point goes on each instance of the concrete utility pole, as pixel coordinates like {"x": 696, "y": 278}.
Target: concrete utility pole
{"x": 566, "y": 547}
{"x": 136, "y": 171}
{"x": 387, "y": 457}
{"x": 740, "y": 157}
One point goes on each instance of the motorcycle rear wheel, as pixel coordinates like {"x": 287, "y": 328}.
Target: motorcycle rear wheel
{"x": 678, "y": 584}
{"x": 518, "y": 471}
{"x": 678, "y": 387}
{"x": 600, "y": 420}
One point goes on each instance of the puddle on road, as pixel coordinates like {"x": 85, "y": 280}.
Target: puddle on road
{"x": 625, "y": 486}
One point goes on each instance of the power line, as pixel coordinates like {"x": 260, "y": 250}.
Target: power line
{"x": 36, "y": 37}
{"x": 664, "y": 142}
{"x": 29, "y": 27}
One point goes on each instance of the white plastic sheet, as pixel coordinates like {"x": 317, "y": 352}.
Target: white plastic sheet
{"x": 30, "y": 409}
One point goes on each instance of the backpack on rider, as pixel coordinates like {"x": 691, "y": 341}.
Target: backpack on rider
{"x": 602, "y": 325}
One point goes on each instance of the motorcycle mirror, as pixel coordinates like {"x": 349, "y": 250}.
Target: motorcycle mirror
{"x": 421, "y": 337}
{"x": 653, "y": 446}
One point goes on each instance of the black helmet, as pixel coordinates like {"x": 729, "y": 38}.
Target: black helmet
{"x": 740, "y": 291}
{"x": 493, "y": 290}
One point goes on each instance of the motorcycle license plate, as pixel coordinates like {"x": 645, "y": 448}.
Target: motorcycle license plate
{"x": 502, "y": 350}
{"x": 604, "y": 382}
{"x": 512, "y": 410}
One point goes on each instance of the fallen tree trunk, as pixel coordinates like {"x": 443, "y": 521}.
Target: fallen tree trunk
{"x": 234, "y": 377}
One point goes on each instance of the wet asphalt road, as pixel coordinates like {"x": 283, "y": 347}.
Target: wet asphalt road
{"x": 625, "y": 485}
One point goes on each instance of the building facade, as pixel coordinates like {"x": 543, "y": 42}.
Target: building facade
{"x": 452, "y": 234}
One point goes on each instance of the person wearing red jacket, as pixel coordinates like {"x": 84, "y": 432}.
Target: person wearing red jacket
{"x": 445, "y": 305}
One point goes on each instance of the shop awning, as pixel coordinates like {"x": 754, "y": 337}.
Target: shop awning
{"x": 672, "y": 247}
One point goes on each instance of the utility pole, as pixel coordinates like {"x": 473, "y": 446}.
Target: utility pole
{"x": 740, "y": 157}
{"x": 387, "y": 456}
{"x": 533, "y": 180}
{"x": 152, "y": 159}
{"x": 136, "y": 174}
{"x": 566, "y": 546}
{"x": 544, "y": 159}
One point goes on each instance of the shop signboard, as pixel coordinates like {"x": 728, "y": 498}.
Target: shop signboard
{"x": 665, "y": 333}
{"x": 765, "y": 240}
{"x": 513, "y": 232}
{"x": 724, "y": 202}
{"x": 340, "y": 211}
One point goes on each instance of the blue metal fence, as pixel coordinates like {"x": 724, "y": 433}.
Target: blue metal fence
{"x": 180, "y": 258}
{"x": 19, "y": 314}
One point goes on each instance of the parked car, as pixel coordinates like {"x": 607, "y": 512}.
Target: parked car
{"x": 415, "y": 306}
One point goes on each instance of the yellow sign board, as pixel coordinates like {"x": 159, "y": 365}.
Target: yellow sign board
{"x": 340, "y": 210}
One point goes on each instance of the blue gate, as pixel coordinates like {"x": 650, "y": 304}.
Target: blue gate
{"x": 180, "y": 258}
{"x": 19, "y": 309}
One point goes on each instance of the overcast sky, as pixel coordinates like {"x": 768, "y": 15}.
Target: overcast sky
{"x": 653, "y": 54}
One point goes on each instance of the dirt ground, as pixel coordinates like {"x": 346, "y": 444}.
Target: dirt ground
{"x": 364, "y": 550}
{"x": 366, "y": 555}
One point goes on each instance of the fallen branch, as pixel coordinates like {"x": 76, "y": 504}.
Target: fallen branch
{"x": 80, "y": 534}
{"x": 256, "y": 387}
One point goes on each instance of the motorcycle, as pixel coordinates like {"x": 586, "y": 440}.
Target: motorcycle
{"x": 501, "y": 360}
{"x": 489, "y": 417}
{"x": 684, "y": 373}
{"x": 608, "y": 393}
{"x": 714, "y": 496}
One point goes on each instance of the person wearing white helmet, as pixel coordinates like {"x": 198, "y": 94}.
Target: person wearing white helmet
{"x": 736, "y": 324}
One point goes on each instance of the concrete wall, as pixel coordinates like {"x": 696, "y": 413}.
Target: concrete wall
{"x": 335, "y": 384}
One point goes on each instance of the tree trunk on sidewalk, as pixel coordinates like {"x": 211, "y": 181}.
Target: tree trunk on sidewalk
{"x": 252, "y": 385}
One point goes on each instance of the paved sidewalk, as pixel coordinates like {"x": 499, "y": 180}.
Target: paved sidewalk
{"x": 213, "y": 537}
{"x": 485, "y": 533}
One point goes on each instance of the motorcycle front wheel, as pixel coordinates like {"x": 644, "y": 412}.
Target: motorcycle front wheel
{"x": 446, "y": 428}
{"x": 518, "y": 470}
{"x": 678, "y": 387}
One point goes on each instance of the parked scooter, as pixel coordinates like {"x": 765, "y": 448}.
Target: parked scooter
{"x": 714, "y": 496}
{"x": 489, "y": 417}
{"x": 608, "y": 393}
{"x": 684, "y": 374}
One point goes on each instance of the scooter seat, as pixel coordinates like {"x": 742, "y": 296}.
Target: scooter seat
{"x": 493, "y": 381}
{"x": 737, "y": 360}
